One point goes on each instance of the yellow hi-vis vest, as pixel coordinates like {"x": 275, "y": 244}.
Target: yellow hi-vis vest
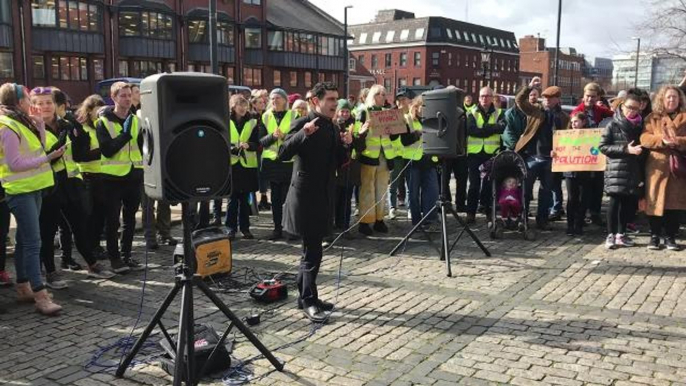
{"x": 91, "y": 166}
{"x": 269, "y": 122}
{"x": 67, "y": 159}
{"x": 128, "y": 156}
{"x": 374, "y": 144}
{"x": 29, "y": 146}
{"x": 247, "y": 158}
{"x": 416, "y": 150}
{"x": 489, "y": 145}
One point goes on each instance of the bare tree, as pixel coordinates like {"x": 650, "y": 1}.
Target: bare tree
{"x": 666, "y": 25}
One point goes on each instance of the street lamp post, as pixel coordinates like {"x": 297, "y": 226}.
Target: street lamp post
{"x": 212, "y": 31}
{"x": 638, "y": 53}
{"x": 486, "y": 64}
{"x": 347, "y": 54}
{"x": 557, "y": 45}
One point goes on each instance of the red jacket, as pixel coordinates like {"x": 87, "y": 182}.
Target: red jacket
{"x": 599, "y": 112}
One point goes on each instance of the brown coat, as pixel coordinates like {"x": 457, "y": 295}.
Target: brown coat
{"x": 663, "y": 191}
{"x": 535, "y": 117}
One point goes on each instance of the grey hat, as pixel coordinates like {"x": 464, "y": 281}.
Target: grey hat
{"x": 280, "y": 92}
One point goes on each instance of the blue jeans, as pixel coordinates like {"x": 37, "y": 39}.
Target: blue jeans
{"x": 557, "y": 200}
{"x": 26, "y": 211}
{"x": 238, "y": 212}
{"x": 541, "y": 169}
{"x": 397, "y": 187}
{"x": 423, "y": 192}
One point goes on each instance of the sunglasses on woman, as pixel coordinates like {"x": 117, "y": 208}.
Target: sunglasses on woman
{"x": 42, "y": 90}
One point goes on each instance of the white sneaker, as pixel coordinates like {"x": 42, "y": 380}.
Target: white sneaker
{"x": 623, "y": 241}
{"x": 610, "y": 241}
{"x": 391, "y": 214}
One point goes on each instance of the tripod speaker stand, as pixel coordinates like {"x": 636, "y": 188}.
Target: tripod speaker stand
{"x": 184, "y": 367}
{"x": 444, "y": 206}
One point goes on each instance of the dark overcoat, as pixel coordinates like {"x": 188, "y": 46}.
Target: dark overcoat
{"x": 309, "y": 204}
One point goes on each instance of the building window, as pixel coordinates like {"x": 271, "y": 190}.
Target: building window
{"x": 321, "y": 77}
{"x": 98, "y": 69}
{"x": 69, "y": 68}
{"x": 419, "y": 34}
{"x": 388, "y": 60}
{"x": 72, "y": 14}
{"x": 361, "y": 59}
{"x": 403, "y": 59}
{"x": 387, "y": 84}
{"x": 404, "y": 34}
{"x": 146, "y": 24}
{"x": 324, "y": 45}
{"x": 143, "y": 68}
{"x": 252, "y": 76}
{"x": 457, "y": 60}
{"x": 417, "y": 59}
{"x": 38, "y": 67}
{"x": 253, "y": 2}
{"x": 308, "y": 79}
{"x": 277, "y": 78}
{"x": 402, "y": 82}
{"x": 375, "y": 61}
{"x": 124, "y": 68}
{"x": 449, "y": 32}
{"x": 5, "y": 14}
{"x": 275, "y": 40}
{"x": 435, "y": 58}
{"x": 230, "y": 75}
{"x": 389, "y": 36}
{"x": 474, "y": 60}
{"x": 197, "y": 32}
{"x": 6, "y": 65}
{"x": 435, "y": 32}
{"x": 376, "y": 37}
{"x": 293, "y": 79}
{"x": 253, "y": 38}
{"x": 363, "y": 38}
{"x": 450, "y": 59}
{"x": 416, "y": 81}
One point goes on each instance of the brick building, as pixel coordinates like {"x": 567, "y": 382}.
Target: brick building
{"x": 73, "y": 44}
{"x": 401, "y": 50}
{"x": 535, "y": 57}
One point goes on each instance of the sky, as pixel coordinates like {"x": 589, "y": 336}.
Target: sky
{"x": 594, "y": 27}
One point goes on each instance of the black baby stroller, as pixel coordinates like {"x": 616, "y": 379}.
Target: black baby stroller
{"x": 504, "y": 165}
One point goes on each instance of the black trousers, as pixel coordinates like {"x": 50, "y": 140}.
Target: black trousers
{"x": 66, "y": 203}
{"x": 121, "y": 196}
{"x": 95, "y": 208}
{"x": 343, "y": 206}
{"x": 279, "y": 193}
{"x": 669, "y": 222}
{"x": 578, "y": 198}
{"x": 457, "y": 167}
{"x": 596, "y": 199}
{"x": 619, "y": 213}
{"x": 238, "y": 212}
{"x": 4, "y": 231}
{"x": 309, "y": 269}
{"x": 479, "y": 189}
{"x": 64, "y": 231}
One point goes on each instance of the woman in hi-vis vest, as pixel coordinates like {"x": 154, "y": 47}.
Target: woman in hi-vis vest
{"x": 376, "y": 162}
{"x": 25, "y": 172}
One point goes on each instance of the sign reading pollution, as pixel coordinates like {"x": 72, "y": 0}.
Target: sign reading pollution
{"x": 578, "y": 150}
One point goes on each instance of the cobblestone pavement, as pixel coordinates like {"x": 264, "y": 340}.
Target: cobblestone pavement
{"x": 558, "y": 310}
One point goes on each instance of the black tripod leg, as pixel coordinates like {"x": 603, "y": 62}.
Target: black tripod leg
{"x": 146, "y": 333}
{"x": 414, "y": 229}
{"x": 239, "y": 324}
{"x": 444, "y": 246}
{"x": 182, "y": 351}
{"x": 466, "y": 228}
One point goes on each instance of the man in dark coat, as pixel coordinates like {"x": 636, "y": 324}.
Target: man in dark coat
{"x": 320, "y": 147}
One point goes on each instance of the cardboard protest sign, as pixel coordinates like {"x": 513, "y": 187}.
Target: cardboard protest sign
{"x": 578, "y": 151}
{"x": 392, "y": 119}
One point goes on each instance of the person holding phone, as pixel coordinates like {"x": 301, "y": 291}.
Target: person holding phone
{"x": 621, "y": 143}
{"x": 25, "y": 173}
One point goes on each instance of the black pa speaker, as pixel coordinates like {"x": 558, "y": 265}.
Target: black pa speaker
{"x": 444, "y": 124}
{"x": 184, "y": 119}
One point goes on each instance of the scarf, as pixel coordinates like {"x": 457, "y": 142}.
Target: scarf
{"x": 636, "y": 120}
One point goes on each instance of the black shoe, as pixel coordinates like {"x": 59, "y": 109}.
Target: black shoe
{"x": 570, "y": 232}
{"x": 232, "y": 235}
{"x": 71, "y": 265}
{"x": 277, "y": 234}
{"x": 654, "y": 244}
{"x": 132, "y": 264}
{"x": 118, "y": 266}
{"x": 169, "y": 240}
{"x": 365, "y": 229}
{"x": 152, "y": 245}
{"x": 380, "y": 227}
{"x": 471, "y": 218}
{"x": 324, "y": 306}
{"x": 541, "y": 224}
{"x": 597, "y": 220}
{"x": 247, "y": 235}
{"x": 293, "y": 237}
{"x": 671, "y": 244}
{"x": 555, "y": 216}
{"x": 315, "y": 314}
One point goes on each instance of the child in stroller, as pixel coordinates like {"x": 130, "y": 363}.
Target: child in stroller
{"x": 509, "y": 200}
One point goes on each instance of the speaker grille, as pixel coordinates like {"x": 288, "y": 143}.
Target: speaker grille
{"x": 198, "y": 164}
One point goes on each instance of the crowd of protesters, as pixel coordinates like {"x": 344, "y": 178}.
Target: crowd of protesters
{"x": 79, "y": 175}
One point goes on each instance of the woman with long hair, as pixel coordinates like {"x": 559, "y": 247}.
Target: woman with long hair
{"x": 665, "y": 136}
{"x": 25, "y": 172}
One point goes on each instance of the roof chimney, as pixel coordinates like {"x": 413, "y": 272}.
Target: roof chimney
{"x": 388, "y": 15}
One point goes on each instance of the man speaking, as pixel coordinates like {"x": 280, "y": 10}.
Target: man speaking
{"x": 320, "y": 148}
